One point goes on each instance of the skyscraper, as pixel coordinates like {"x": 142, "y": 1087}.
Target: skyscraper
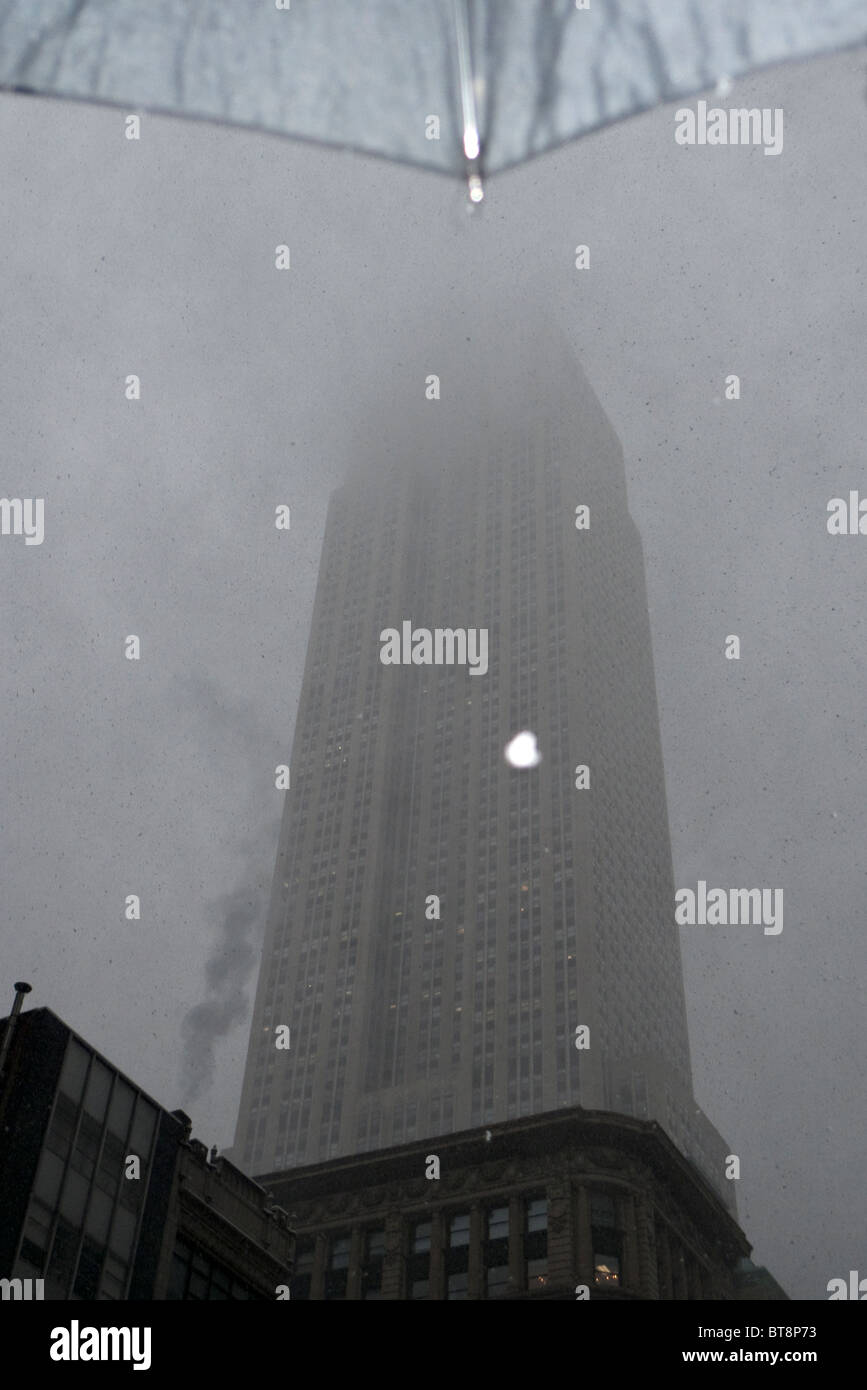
{"x": 453, "y": 941}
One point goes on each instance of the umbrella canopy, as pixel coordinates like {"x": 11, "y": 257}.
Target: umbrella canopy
{"x": 427, "y": 82}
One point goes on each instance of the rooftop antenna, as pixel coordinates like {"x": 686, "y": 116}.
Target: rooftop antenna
{"x": 21, "y": 989}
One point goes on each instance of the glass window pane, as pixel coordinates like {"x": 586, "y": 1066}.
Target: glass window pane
{"x": 142, "y": 1130}
{"x": 111, "y": 1165}
{"x": 38, "y": 1224}
{"x": 98, "y": 1087}
{"x": 537, "y": 1214}
{"x": 131, "y": 1190}
{"x": 72, "y": 1202}
{"x": 339, "y": 1253}
{"x": 89, "y": 1265}
{"x": 459, "y": 1230}
{"x": 421, "y": 1237}
{"x": 30, "y": 1263}
{"x": 122, "y": 1232}
{"x": 112, "y": 1287}
{"x": 602, "y": 1210}
{"x": 498, "y": 1223}
{"x": 48, "y": 1178}
{"x": 457, "y": 1286}
{"x": 99, "y": 1216}
{"x": 115, "y": 1265}
{"x": 74, "y": 1070}
{"x": 86, "y": 1148}
{"x": 375, "y": 1245}
{"x": 120, "y": 1109}
{"x": 335, "y": 1284}
{"x": 62, "y": 1127}
{"x": 62, "y": 1261}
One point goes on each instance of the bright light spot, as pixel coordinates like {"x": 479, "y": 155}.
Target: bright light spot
{"x": 523, "y": 750}
{"x": 724, "y": 85}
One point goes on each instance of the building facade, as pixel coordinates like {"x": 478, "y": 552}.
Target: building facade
{"x": 453, "y": 942}
{"x": 104, "y": 1195}
{"x": 562, "y": 1206}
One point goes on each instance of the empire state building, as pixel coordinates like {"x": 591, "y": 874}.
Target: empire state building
{"x": 454, "y": 941}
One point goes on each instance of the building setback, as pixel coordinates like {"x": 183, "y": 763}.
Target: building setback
{"x": 442, "y": 924}
{"x": 73, "y": 1216}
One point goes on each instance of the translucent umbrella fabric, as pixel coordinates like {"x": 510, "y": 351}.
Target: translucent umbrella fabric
{"x": 369, "y": 75}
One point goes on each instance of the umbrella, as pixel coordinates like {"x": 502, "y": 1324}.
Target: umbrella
{"x": 457, "y": 86}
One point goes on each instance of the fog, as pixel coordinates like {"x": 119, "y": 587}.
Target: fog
{"x": 260, "y": 387}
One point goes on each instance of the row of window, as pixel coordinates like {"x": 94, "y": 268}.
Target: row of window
{"x": 195, "y": 1276}
{"x": 504, "y": 1269}
{"x": 496, "y": 1257}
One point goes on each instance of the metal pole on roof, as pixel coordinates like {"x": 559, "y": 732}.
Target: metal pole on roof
{"x": 21, "y": 989}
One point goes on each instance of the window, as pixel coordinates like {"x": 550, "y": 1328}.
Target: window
{"x": 536, "y": 1243}
{"x": 86, "y": 1147}
{"x": 62, "y": 1260}
{"x": 303, "y": 1276}
{"x": 418, "y": 1264}
{"x": 142, "y": 1130}
{"x": 98, "y": 1216}
{"x": 607, "y": 1240}
{"x": 374, "y": 1258}
{"x": 122, "y": 1234}
{"x": 74, "y": 1071}
{"x": 111, "y": 1165}
{"x": 194, "y": 1276}
{"x": 98, "y": 1087}
{"x": 337, "y": 1273}
{"x": 89, "y": 1266}
{"x": 496, "y": 1252}
{"x": 459, "y": 1230}
{"x": 48, "y": 1178}
{"x": 62, "y": 1128}
{"x": 37, "y": 1234}
{"x": 114, "y": 1276}
{"x": 72, "y": 1202}
{"x": 457, "y": 1256}
{"x": 120, "y": 1108}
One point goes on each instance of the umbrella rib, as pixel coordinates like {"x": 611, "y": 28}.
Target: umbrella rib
{"x": 472, "y": 147}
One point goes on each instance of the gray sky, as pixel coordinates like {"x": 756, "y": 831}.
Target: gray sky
{"x": 156, "y": 257}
